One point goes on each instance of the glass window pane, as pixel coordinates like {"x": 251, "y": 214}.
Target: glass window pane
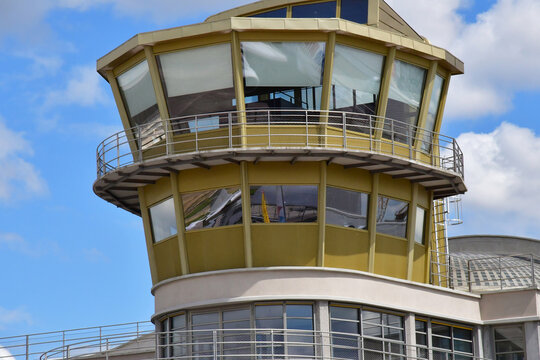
{"x": 163, "y": 220}
{"x": 283, "y": 75}
{"x": 355, "y": 10}
{"x": 266, "y": 311}
{"x": 338, "y": 312}
{"x": 278, "y": 13}
{"x": 299, "y": 310}
{"x": 439, "y": 329}
{"x": 206, "y": 318}
{"x": 138, "y": 92}
{"x": 392, "y": 216}
{"x": 236, "y": 314}
{"x": 440, "y": 342}
{"x": 464, "y": 334}
{"x": 404, "y": 98}
{"x": 432, "y": 112}
{"x": 345, "y": 326}
{"x": 371, "y": 317}
{"x": 421, "y": 326}
{"x": 356, "y": 80}
{"x": 178, "y": 322}
{"x": 299, "y": 324}
{"x": 212, "y": 208}
{"x": 284, "y": 203}
{"x": 346, "y": 208}
{"x": 463, "y": 346}
{"x": 419, "y": 226}
{"x": 318, "y": 10}
{"x": 189, "y": 90}
{"x": 269, "y": 323}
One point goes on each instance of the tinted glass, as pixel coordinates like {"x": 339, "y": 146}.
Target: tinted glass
{"x": 346, "y": 208}
{"x": 190, "y": 91}
{"x": 318, "y": 10}
{"x": 284, "y": 203}
{"x": 339, "y": 312}
{"x": 266, "y": 311}
{"x": 299, "y": 311}
{"x": 283, "y": 75}
{"x": 355, "y": 10}
{"x": 432, "y": 112}
{"x": 419, "y": 226}
{"x": 278, "y": 13}
{"x": 212, "y": 208}
{"x": 404, "y": 98}
{"x": 392, "y": 216}
{"x": 163, "y": 220}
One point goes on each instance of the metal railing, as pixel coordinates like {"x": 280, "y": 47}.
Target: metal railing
{"x": 279, "y": 129}
{"x": 103, "y": 338}
{"x": 253, "y": 344}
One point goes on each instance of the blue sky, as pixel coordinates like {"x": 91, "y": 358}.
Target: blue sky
{"x": 69, "y": 259}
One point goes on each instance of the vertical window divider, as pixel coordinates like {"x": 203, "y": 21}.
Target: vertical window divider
{"x": 321, "y": 213}
{"x": 372, "y": 221}
{"x": 180, "y": 224}
{"x": 246, "y": 214}
{"x": 438, "y": 122}
{"x": 428, "y": 238}
{"x": 327, "y": 85}
{"x": 148, "y": 235}
{"x": 424, "y": 108}
{"x": 338, "y": 8}
{"x": 383, "y": 97}
{"x": 160, "y": 97}
{"x": 238, "y": 80}
{"x": 411, "y": 230}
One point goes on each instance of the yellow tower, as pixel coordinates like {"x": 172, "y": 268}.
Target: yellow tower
{"x": 278, "y": 147}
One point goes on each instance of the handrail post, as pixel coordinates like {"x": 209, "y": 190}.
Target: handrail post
{"x": 67, "y": 352}
{"x": 229, "y": 119}
{"x": 117, "y": 150}
{"x": 500, "y": 273}
{"x": 27, "y": 346}
{"x": 344, "y": 123}
{"x": 214, "y": 340}
{"x": 393, "y": 134}
{"x": 454, "y": 153}
{"x": 100, "y": 340}
{"x": 139, "y": 140}
{"x": 107, "y": 350}
{"x": 272, "y": 342}
{"x": 269, "y": 131}
{"x": 63, "y": 343}
{"x": 469, "y": 281}
{"x": 196, "y": 133}
{"x": 307, "y": 129}
{"x": 410, "y": 134}
{"x": 533, "y": 280}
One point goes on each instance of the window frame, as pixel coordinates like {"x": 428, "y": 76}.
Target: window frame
{"x": 149, "y": 212}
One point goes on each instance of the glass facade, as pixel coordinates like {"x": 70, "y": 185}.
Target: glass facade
{"x": 325, "y": 9}
{"x": 451, "y": 340}
{"x": 163, "y": 220}
{"x": 420, "y": 225}
{"x": 284, "y": 203}
{"x": 392, "y": 216}
{"x": 509, "y": 342}
{"x": 190, "y": 91}
{"x": 346, "y": 208}
{"x": 283, "y": 75}
{"x": 277, "y": 13}
{"x": 355, "y": 10}
{"x": 404, "y": 98}
{"x": 433, "y": 111}
{"x": 212, "y": 208}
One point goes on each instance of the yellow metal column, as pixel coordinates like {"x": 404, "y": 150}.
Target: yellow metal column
{"x": 372, "y": 221}
{"x": 160, "y": 96}
{"x": 327, "y": 85}
{"x": 238, "y": 77}
{"x": 411, "y": 224}
{"x": 322, "y": 213}
{"x": 246, "y": 214}
{"x": 428, "y": 237}
{"x": 148, "y": 235}
{"x": 123, "y": 113}
{"x": 424, "y": 107}
{"x": 180, "y": 225}
{"x": 383, "y": 97}
{"x": 438, "y": 122}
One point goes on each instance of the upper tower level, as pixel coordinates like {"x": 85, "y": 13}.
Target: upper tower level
{"x": 325, "y": 113}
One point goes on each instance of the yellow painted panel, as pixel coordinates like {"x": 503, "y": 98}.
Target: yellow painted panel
{"x": 284, "y": 244}
{"x": 280, "y": 173}
{"x": 395, "y": 188}
{"x": 391, "y": 256}
{"x": 353, "y": 179}
{"x": 207, "y": 140}
{"x": 283, "y": 135}
{"x": 156, "y": 150}
{"x": 283, "y": 36}
{"x": 184, "y": 43}
{"x": 423, "y": 197}
{"x": 158, "y": 191}
{"x": 419, "y": 263}
{"x": 215, "y": 249}
{"x": 167, "y": 259}
{"x": 346, "y": 248}
{"x": 412, "y": 59}
{"x": 398, "y": 149}
{"x": 361, "y": 44}
{"x": 128, "y": 64}
{"x": 202, "y": 179}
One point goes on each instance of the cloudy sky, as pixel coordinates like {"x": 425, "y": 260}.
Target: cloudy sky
{"x": 69, "y": 259}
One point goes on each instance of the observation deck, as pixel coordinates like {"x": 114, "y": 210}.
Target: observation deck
{"x": 142, "y": 155}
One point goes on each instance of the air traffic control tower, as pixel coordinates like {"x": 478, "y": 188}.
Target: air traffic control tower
{"x": 286, "y": 160}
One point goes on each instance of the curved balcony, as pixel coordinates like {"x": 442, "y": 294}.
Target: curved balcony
{"x": 251, "y": 344}
{"x": 144, "y": 154}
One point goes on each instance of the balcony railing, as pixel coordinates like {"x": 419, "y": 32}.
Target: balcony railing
{"x": 246, "y": 344}
{"x": 279, "y": 130}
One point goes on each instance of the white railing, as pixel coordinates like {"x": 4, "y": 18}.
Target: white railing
{"x": 279, "y": 129}
{"x": 254, "y": 344}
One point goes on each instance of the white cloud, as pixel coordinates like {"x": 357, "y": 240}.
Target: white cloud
{"x": 499, "y": 50}
{"x": 14, "y": 316}
{"x": 83, "y": 88}
{"x": 16, "y": 243}
{"x": 502, "y": 172}
{"x": 5, "y": 354}
{"x": 18, "y": 178}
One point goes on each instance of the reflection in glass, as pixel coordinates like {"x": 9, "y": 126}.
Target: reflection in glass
{"x": 138, "y": 92}
{"x": 404, "y": 98}
{"x": 284, "y": 203}
{"x": 356, "y": 80}
{"x": 212, "y": 208}
{"x": 283, "y": 75}
{"x": 510, "y": 343}
{"x": 355, "y": 10}
{"x": 325, "y": 9}
{"x": 392, "y": 217}
{"x": 419, "y": 226}
{"x": 163, "y": 220}
{"x": 190, "y": 91}
{"x": 202, "y": 340}
{"x": 432, "y": 112}
{"x": 300, "y": 317}
{"x": 346, "y": 208}
{"x": 278, "y": 13}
